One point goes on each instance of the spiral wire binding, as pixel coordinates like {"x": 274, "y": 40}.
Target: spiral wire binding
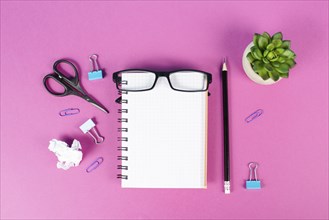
{"x": 120, "y": 167}
{"x": 122, "y": 139}
{"x": 123, "y": 131}
{"x": 120, "y": 176}
{"x": 122, "y": 158}
{"x": 122, "y": 92}
{"x": 123, "y": 120}
{"x": 122, "y": 110}
{"x": 123, "y": 148}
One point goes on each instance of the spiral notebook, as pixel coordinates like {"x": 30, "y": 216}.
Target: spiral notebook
{"x": 164, "y": 138}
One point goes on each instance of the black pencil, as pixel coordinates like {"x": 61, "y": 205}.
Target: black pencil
{"x": 226, "y": 131}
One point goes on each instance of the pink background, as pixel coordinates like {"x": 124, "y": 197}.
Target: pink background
{"x": 289, "y": 141}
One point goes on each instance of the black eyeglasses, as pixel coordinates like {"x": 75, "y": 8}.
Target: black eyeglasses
{"x": 137, "y": 80}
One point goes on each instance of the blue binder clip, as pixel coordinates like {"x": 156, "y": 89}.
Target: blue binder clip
{"x": 253, "y": 183}
{"x": 95, "y": 72}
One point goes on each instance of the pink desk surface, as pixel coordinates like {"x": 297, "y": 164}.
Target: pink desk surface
{"x": 289, "y": 141}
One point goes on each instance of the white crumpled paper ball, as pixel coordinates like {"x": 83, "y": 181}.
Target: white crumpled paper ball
{"x": 67, "y": 156}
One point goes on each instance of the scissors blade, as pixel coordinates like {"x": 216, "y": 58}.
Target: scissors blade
{"x": 96, "y": 104}
{"x": 99, "y": 107}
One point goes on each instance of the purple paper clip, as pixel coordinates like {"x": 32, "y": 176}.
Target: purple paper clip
{"x": 254, "y": 115}
{"x": 69, "y": 111}
{"x": 94, "y": 164}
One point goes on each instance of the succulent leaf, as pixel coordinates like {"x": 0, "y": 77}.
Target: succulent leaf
{"x": 274, "y": 75}
{"x": 276, "y": 58}
{"x": 266, "y": 35}
{"x": 279, "y": 51}
{"x": 276, "y": 64}
{"x": 258, "y": 65}
{"x": 277, "y": 42}
{"x": 265, "y": 60}
{"x": 250, "y": 58}
{"x": 289, "y": 53}
{"x": 283, "y": 68}
{"x": 264, "y": 74}
{"x": 268, "y": 67}
{"x": 270, "y": 55}
{"x": 277, "y": 36}
{"x": 284, "y": 75}
{"x": 290, "y": 62}
{"x": 256, "y": 53}
{"x": 286, "y": 44}
{"x": 270, "y": 47}
{"x": 282, "y": 59}
{"x": 262, "y": 42}
{"x": 255, "y": 39}
{"x": 265, "y": 53}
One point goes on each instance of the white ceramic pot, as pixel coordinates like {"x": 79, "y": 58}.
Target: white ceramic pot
{"x": 251, "y": 73}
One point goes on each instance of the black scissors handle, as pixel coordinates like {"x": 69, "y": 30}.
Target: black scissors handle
{"x": 71, "y": 85}
{"x": 67, "y": 90}
{"x": 74, "y": 81}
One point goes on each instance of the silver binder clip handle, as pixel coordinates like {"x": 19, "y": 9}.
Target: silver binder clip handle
{"x": 97, "y": 138}
{"x": 89, "y": 127}
{"x": 93, "y": 62}
{"x": 253, "y": 170}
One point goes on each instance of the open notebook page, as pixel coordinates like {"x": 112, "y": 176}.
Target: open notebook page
{"x": 167, "y": 139}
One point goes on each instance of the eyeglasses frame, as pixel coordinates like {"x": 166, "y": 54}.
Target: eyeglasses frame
{"x": 117, "y": 80}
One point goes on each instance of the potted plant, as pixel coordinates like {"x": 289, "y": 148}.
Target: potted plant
{"x": 268, "y": 59}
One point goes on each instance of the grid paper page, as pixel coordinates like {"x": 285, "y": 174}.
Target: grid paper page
{"x": 167, "y": 138}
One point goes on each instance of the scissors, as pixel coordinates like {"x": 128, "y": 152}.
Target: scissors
{"x": 71, "y": 85}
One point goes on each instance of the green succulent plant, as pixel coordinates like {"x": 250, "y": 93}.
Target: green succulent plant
{"x": 271, "y": 56}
